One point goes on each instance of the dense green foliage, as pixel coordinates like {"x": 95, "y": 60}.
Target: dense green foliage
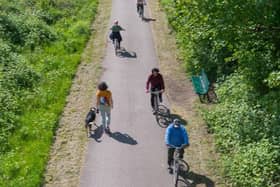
{"x": 237, "y": 43}
{"x": 41, "y": 42}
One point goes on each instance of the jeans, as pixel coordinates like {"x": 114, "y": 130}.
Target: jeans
{"x": 138, "y": 7}
{"x": 171, "y": 151}
{"x": 153, "y": 96}
{"x": 105, "y": 112}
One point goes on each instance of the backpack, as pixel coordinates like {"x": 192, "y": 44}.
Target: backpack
{"x": 103, "y": 101}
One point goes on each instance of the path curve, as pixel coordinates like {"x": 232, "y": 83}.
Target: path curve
{"x": 135, "y": 155}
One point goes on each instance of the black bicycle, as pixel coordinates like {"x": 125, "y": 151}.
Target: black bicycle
{"x": 179, "y": 166}
{"x": 161, "y": 112}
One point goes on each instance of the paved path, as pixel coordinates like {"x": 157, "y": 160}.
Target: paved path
{"x": 135, "y": 155}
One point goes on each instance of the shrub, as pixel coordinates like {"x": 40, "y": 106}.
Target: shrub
{"x": 254, "y": 165}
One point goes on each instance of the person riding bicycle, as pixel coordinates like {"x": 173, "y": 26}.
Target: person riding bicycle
{"x": 140, "y": 4}
{"x": 155, "y": 79}
{"x": 176, "y": 136}
{"x": 115, "y": 34}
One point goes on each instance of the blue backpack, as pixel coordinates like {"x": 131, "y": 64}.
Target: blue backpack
{"x": 103, "y": 101}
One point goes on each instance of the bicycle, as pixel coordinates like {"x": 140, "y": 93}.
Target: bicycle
{"x": 116, "y": 46}
{"x": 161, "y": 112}
{"x": 179, "y": 165}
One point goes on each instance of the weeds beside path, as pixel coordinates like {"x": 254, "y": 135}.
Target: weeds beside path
{"x": 201, "y": 154}
{"x": 68, "y": 150}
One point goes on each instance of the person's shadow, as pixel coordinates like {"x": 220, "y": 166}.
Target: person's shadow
{"x": 192, "y": 179}
{"x": 126, "y": 54}
{"x": 97, "y": 133}
{"x": 148, "y": 19}
{"x": 123, "y": 138}
{"x": 167, "y": 120}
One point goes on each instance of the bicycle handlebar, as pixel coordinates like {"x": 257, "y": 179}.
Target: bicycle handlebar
{"x": 181, "y": 147}
{"x": 155, "y": 92}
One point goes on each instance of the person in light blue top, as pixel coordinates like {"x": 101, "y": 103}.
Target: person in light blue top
{"x": 176, "y": 136}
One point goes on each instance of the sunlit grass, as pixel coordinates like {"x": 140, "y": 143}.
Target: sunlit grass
{"x": 29, "y": 145}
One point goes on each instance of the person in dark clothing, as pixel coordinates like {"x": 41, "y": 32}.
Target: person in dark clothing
{"x": 116, "y": 28}
{"x": 155, "y": 83}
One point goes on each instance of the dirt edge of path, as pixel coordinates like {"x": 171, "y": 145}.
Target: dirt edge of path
{"x": 70, "y": 142}
{"x": 201, "y": 154}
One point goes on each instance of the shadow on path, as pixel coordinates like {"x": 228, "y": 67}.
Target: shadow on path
{"x": 176, "y": 116}
{"x": 123, "y": 138}
{"x": 97, "y": 133}
{"x": 126, "y": 54}
{"x": 168, "y": 119}
{"x": 148, "y": 19}
{"x": 193, "y": 179}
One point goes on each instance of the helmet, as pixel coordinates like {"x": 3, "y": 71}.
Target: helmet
{"x": 155, "y": 70}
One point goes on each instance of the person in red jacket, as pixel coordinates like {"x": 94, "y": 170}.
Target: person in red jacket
{"x": 155, "y": 83}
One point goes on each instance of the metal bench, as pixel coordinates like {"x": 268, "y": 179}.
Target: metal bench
{"x": 203, "y": 88}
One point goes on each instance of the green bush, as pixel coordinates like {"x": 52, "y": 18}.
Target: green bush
{"x": 240, "y": 52}
{"x": 40, "y": 48}
{"x": 254, "y": 165}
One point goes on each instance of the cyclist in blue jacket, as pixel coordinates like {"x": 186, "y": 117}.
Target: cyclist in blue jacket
{"x": 175, "y": 136}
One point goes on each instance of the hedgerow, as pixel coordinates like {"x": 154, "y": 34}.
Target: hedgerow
{"x": 40, "y": 48}
{"x": 237, "y": 44}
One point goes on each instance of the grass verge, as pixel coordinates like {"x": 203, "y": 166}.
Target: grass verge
{"x": 24, "y": 163}
{"x": 68, "y": 150}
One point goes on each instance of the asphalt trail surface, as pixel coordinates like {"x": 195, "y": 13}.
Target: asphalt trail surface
{"x": 135, "y": 154}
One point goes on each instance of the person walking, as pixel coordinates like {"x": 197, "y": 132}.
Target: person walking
{"x": 104, "y": 103}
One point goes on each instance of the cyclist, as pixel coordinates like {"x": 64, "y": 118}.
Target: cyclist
{"x": 104, "y": 103}
{"x": 175, "y": 136}
{"x": 155, "y": 79}
{"x": 115, "y": 34}
{"x": 140, "y": 4}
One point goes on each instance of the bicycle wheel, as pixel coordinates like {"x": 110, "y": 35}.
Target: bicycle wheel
{"x": 182, "y": 183}
{"x": 163, "y": 116}
{"x": 184, "y": 167}
{"x": 163, "y": 121}
{"x": 164, "y": 110}
{"x": 176, "y": 173}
